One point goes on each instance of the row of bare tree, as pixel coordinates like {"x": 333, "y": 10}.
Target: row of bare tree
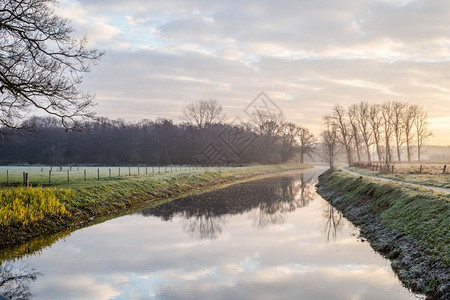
{"x": 385, "y": 130}
{"x": 277, "y": 137}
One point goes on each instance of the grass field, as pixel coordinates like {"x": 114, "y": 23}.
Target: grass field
{"x": 431, "y": 174}
{"x": 66, "y": 176}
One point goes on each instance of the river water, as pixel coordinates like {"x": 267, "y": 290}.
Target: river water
{"x": 267, "y": 239}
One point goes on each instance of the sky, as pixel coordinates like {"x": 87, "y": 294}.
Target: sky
{"x": 305, "y": 55}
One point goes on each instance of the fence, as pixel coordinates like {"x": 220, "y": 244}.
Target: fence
{"x": 403, "y": 168}
{"x": 52, "y": 176}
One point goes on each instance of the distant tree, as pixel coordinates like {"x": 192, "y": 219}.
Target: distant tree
{"x": 408, "y": 116}
{"x": 398, "y": 109}
{"x": 41, "y": 64}
{"x": 388, "y": 129}
{"x": 352, "y": 113}
{"x": 306, "y": 141}
{"x": 422, "y": 131}
{"x": 340, "y": 124}
{"x": 375, "y": 121}
{"x": 289, "y": 132}
{"x": 329, "y": 145}
{"x": 363, "y": 118}
{"x": 203, "y": 112}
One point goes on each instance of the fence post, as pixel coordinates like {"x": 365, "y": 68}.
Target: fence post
{"x": 159, "y": 169}
{"x": 119, "y": 171}
{"x": 420, "y": 171}
{"x": 109, "y": 173}
{"x": 146, "y": 172}
{"x": 84, "y": 174}
{"x": 129, "y": 170}
{"x": 98, "y": 174}
{"x": 445, "y": 169}
{"x": 139, "y": 171}
{"x": 42, "y": 168}
{"x": 7, "y": 177}
{"x": 27, "y": 181}
{"x": 393, "y": 169}
{"x": 50, "y": 177}
{"x": 68, "y": 178}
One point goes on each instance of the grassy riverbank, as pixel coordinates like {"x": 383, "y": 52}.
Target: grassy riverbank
{"x": 26, "y": 213}
{"x": 411, "y": 226}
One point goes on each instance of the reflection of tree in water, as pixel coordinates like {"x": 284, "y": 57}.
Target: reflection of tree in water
{"x": 268, "y": 200}
{"x": 204, "y": 226}
{"x": 333, "y": 222}
{"x": 15, "y": 282}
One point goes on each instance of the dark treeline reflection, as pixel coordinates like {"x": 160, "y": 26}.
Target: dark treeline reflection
{"x": 268, "y": 201}
{"x": 15, "y": 282}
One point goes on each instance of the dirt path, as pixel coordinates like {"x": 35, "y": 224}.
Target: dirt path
{"x": 433, "y": 188}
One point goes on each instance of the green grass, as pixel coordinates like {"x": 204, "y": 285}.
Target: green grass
{"x": 28, "y": 212}
{"x": 420, "y": 213}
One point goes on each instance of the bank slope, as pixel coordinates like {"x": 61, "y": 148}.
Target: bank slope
{"x": 410, "y": 226}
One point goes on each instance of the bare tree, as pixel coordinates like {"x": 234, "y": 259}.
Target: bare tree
{"x": 307, "y": 142}
{"x": 407, "y": 118}
{"x": 397, "y": 126}
{"x": 353, "y": 119}
{"x": 329, "y": 145}
{"x": 386, "y": 115}
{"x": 289, "y": 133}
{"x": 422, "y": 131}
{"x": 267, "y": 124}
{"x": 375, "y": 122}
{"x": 203, "y": 112}
{"x": 363, "y": 117}
{"x": 41, "y": 65}
{"x": 343, "y": 129}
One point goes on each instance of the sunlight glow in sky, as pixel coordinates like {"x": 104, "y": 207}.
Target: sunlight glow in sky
{"x": 306, "y": 55}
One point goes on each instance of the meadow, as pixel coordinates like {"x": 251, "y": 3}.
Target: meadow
{"x": 429, "y": 174}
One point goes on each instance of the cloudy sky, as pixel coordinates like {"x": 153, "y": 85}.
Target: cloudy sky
{"x": 306, "y": 55}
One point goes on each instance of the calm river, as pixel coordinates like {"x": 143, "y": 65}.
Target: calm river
{"x": 268, "y": 239}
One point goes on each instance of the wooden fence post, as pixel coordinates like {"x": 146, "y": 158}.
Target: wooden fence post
{"x": 445, "y": 169}
{"x": 68, "y": 178}
{"x": 119, "y": 171}
{"x": 7, "y": 177}
{"x": 139, "y": 171}
{"x": 98, "y": 174}
{"x": 109, "y": 173}
{"x": 50, "y": 177}
{"x": 129, "y": 170}
{"x": 420, "y": 171}
{"x": 146, "y": 172}
{"x": 84, "y": 174}
{"x": 27, "y": 180}
{"x": 42, "y": 168}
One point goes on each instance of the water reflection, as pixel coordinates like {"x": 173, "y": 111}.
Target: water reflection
{"x": 204, "y": 216}
{"x": 15, "y": 281}
{"x": 333, "y": 222}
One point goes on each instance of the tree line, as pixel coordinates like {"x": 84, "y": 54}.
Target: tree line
{"x": 381, "y": 133}
{"x": 266, "y": 138}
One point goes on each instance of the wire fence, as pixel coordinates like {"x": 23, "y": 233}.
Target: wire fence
{"x": 63, "y": 175}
